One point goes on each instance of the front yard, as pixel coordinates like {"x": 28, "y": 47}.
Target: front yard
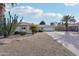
{"x": 39, "y": 44}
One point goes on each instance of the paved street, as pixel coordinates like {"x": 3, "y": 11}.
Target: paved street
{"x": 68, "y": 40}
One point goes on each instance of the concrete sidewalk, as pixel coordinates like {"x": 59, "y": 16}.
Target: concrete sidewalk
{"x": 68, "y": 40}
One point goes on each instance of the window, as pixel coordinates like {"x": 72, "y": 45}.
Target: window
{"x": 23, "y": 28}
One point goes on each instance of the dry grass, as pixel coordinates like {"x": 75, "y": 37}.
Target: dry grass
{"x": 75, "y": 32}
{"x": 39, "y": 44}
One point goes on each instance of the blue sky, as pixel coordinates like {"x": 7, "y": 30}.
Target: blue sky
{"x": 48, "y": 12}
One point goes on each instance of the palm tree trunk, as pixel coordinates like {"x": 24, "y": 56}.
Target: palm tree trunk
{"x": 66, "y": 26}
{"x": 2, "y": 9}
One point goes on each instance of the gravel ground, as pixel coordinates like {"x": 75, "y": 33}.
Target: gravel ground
{"x": 39, "y": 44}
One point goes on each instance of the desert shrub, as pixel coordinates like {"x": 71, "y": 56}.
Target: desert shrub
{"x": 40, "y": 31}
{"x": 34, "y": 28}
{"x": 17, "y": 33}
{"x": 20, "y": 33}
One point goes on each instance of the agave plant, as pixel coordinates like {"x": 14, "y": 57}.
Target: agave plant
{"x": 9, "y": 25}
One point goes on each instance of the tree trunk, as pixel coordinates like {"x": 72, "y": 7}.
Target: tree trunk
{"x": 2, "y": 9}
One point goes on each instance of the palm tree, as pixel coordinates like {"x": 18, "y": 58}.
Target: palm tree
{"x": 66, "y": 19}
{"x": 72, "y": 20}
{"x": 2, "y": 10}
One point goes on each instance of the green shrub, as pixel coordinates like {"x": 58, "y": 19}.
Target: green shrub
{"x": 40, "y": 31}
{"x": 34, "y": 28}
{"x": 22, "y": 33}
{"x": 16, "y": 33}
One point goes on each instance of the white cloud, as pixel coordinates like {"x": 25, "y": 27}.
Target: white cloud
{"x": 36, "y": 13}
{"x": 70, "y": 4}
{"x": 59, "y": 15}
{"x": 37, "y": 1}
{"x": 29, "y": 7}
{"x": 50, "y": 14}
{"x": 28, "y": 10}
{"x": 54, "y": 14}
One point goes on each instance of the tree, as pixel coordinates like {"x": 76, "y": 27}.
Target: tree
{"x": 2, "y": 7}
{"x": 9, "y": 25}
{"x": 66, "y": 19}
{"x": 59, "y": 23}
{"x": 34, "y": 28}
{"x": 52, "y": 23}
{"x": 42, "y": 23}
{"x": 2, "y": 10}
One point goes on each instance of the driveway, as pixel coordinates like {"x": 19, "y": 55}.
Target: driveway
{"x": 67, "y": 39}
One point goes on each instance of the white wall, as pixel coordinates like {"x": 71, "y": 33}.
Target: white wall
{"x": 48, "y": 28}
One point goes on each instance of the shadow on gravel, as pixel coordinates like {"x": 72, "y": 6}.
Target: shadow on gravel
{"x": 2, "y": 43}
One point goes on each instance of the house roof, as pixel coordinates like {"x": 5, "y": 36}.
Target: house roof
{"x": 75, "y": 24}
{"x": 25, "y": 23}
{"x": 45, "y": 26}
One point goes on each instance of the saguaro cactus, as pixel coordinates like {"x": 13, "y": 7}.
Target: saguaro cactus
{"x": 10, "y": 24}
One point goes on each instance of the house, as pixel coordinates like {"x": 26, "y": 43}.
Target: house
{"x": 24, "y": 27}
{"x": 47, "y": 28}
{"x": 74, "y": 27}
{"x": 71, "y": 27}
